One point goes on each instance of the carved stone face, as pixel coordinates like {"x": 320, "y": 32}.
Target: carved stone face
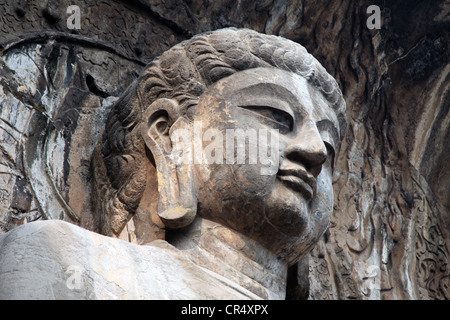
{"x": 285, "y": 205}
{"x": 262, "y": 142}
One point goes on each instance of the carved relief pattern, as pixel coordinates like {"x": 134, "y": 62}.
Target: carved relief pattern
{"x": 370, "y": 249}
{"x": 395, "y": 237}
{"x": 432, "y": 254}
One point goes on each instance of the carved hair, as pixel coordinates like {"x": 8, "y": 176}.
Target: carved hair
{"x": 183, "y": 73}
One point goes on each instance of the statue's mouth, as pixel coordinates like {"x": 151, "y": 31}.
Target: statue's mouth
{"x": 299, "y": 180}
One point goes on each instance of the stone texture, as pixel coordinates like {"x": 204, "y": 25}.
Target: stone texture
{"x": 69, "y": 262}
{"x": 391, "y": 183}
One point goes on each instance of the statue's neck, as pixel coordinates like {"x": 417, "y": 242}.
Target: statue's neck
{"x": 233, "y": 256}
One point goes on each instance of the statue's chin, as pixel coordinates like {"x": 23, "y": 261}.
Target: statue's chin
{"x": 284, "y": 221}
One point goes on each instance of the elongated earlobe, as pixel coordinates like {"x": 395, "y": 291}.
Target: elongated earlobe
{"x": 177, "y": 204}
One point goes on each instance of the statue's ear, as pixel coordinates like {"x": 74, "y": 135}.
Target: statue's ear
{"x": 177, "y": 204}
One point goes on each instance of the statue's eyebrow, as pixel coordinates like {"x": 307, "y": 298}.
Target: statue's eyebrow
{"x": 266, "y": 95}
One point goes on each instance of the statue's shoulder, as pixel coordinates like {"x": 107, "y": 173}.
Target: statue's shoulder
{"x": 58, "y": 260}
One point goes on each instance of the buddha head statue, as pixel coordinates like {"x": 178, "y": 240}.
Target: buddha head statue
{"x": 232, "y": 126}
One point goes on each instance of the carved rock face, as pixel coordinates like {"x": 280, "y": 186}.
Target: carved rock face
{"x": 235, "y": 126}
{"x": 269, "y": 138}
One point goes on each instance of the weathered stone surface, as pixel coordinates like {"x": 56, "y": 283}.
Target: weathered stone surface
{"x": 242, "y": 217}
{"x": 392, "y": 177}
{"x": 69, "y": 262}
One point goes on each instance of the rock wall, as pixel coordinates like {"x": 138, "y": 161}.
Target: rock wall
{"x": 389, "y": 235}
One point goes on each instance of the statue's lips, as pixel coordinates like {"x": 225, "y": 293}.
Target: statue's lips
{"x": 298, "y": 180}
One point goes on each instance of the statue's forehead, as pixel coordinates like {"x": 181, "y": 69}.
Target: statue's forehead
{"x": 270, "y": 84}
{"x": 261, "y": 76}
{"x": 275, "y": 86}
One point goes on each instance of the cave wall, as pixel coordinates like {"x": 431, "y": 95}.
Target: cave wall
{"x": 389, "y": 234}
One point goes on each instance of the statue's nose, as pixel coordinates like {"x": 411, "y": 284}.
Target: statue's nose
{"x": 308, "y": 148}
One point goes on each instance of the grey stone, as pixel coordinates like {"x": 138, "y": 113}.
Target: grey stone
{"x": 58, "y": 260}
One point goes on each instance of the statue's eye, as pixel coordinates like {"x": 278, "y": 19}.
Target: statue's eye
{"x": 275, "y": 118}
